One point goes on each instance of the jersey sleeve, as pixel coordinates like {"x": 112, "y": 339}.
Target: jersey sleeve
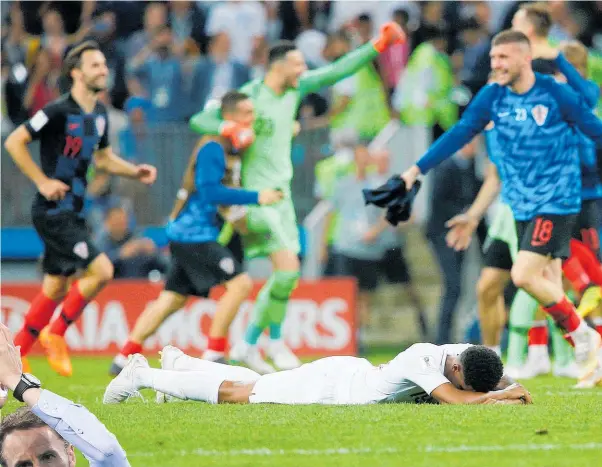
{"x": 345, "y": 66}
{"x": 476, "y": 116}
{"x": 209, "y": 172}
{"x": 43, "y": 120}
{"x": 421, "y": 364}
{"x": 576, "y": 112}
{"x": 586, "y": 88}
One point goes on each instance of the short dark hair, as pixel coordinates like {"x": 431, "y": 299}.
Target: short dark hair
{"x": 279, "y": 50}
{"x": 510, "y": 36}
{"x": 539, "y": 16}
{"x": 482, "y": 368}
{"x": 73, "y": 59}
{"x": 364, "y": 18}
{"x": 20, "y": 420}
{"x": 231, "y": 99}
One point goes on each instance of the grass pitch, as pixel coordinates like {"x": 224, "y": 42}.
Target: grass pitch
{"x": 562, "y": 428}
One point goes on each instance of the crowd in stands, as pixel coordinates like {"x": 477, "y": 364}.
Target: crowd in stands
{"x": 168, "y": 59}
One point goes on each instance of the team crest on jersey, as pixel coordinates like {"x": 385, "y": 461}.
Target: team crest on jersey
{"x": 100, "y": 125}
{"x": 81, "y": 250}
{"x": 227, "y": 265}
{"x": 428, "y": 362}
{"x": 540, "y": 113}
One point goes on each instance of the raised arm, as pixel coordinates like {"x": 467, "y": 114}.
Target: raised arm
{"x": 475, "y": 118}
{"x": 350, "y": 63}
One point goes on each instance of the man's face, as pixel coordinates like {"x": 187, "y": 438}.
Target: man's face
{"x": 244, "y": 113}
{"x": 293, "y": 67}
{"x": 93, "y": 70}
{"x": 508, "y": 62}
{"x": 37, "y": 447}
{"x": 52, "y": 22}
{"x": 154, "y": 16}
{"x": 457, "y": 378}
{"x": 521, "y": 23}
{"x": 336, "y": 49}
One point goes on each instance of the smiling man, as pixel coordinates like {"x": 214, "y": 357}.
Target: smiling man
{"x": 535, "y": 141}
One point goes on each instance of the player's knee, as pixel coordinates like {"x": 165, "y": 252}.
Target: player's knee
{"x": 55, "y": 289}
{"x": 488, "y": 286}
{"x": 244, "y": 283}
{"x": 285, "y": 282}
{"x": 522, "y": 277}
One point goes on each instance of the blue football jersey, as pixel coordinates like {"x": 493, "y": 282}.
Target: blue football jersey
{"x": 534, "y": 143}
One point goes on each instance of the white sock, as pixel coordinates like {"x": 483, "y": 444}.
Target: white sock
{"x": 496, "y": 348}
{"x": 193, "y": 385}
{"x": 227, "y": 372}
{"x": 213, "y": 355}
{"x": 538, "y": 351}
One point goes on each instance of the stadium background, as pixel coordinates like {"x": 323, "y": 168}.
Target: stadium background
{"x": 415, "y": 91}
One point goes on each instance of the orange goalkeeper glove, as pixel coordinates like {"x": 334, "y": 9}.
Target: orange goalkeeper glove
{"x": 390, "y": 33}
{"x": 240, "y": 136}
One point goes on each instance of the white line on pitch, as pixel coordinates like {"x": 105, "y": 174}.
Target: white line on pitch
{"x": 355, "y": 451}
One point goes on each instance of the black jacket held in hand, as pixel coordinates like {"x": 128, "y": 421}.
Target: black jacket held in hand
{"x": 394, "y": 197}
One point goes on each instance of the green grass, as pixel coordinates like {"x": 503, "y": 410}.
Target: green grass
{"x": 562, "y": 428}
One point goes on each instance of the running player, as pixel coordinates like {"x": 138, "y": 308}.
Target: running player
{"x": 424, "y": 373}
{"x": 536, "y": 144}
{"x": 198, "y": 261}
{"x": 72, "y": 130}
{"x": 273, "y": 231}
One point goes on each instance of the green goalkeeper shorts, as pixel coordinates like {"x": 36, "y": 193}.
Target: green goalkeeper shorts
{"x": 271, "y": 229}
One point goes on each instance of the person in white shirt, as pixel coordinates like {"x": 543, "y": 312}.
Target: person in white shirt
{"x": 424, "y": 373}
{"x": 47, "y": 431}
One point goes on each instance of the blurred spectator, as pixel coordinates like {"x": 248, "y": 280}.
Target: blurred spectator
{"x": 246, "y": 25}
{"x": 188, "y": 26}
{"x": 216, "y": 74}
{"x": 129, "y": 15}
{"x": 42, "y": 86}
{"x": 54, "y": 38}
{"x": 474, "y": 55}
{"x": 393, "y": 266}
{"x": 358, "y": 231}
{"x": 564, "y": 26}
{"x": 359, "y": 101}
{"x": 431, "y": 20}
{"x": 131, "y": 254}
{"x": 454, "y": 187}
{"x": 103, "y": 31}
{"x": 311, "y": 43}
{"x": 328, "y": 173}
{"x": 395, "y": 58}
{"x": 295, "y": 17}
{"x": 159, "y": 74}
{"x": 155, "y": 16}
{"x": 422, "y": 95}
{"x": 19, "y": 51}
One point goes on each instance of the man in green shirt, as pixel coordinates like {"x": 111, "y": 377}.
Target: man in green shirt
{"x": 267, "y": 162}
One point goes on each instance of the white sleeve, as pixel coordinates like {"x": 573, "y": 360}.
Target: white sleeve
{"x": 421, "y": 364}
{"x": 346, "y": 87}
{"x": 79, "y": 427}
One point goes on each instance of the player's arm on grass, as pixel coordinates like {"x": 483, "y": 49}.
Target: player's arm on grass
{"x": 584, "y": 87}
{"x": 106, "y": 160}
{"x": 43, "y": 122}
{"x": 476, "y": 116}
{"x": 575, "y": 111}
{"x": 73, "y": 422}
{"x": 447, "y": 393}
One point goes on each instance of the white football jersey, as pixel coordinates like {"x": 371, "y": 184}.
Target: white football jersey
{"x": 414, "y": 374}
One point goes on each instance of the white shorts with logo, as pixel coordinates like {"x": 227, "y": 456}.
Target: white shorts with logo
{"x": 329, "y": 381}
